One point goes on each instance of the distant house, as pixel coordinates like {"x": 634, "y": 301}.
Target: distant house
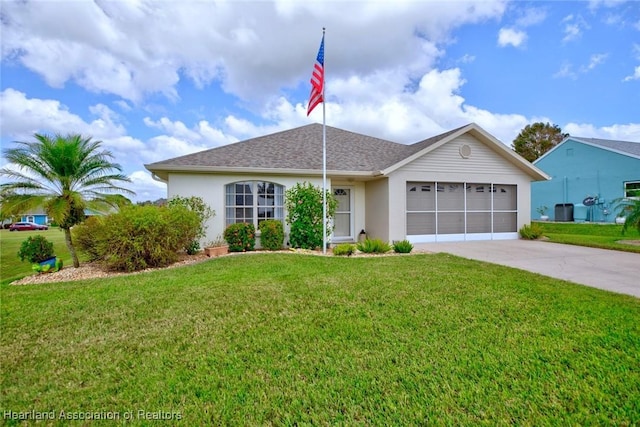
{"x": 587, "y": 176}
{"x": 38, "y": 216}
{"x": 461, "y": 185}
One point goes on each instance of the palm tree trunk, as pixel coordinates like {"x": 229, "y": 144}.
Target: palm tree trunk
{"x": 72, "y": 250}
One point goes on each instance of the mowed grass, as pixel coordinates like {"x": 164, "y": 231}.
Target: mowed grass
{"x": 604, "y": 236}
{"x": 11, "y": 268}
{"x": 287, "y": 339}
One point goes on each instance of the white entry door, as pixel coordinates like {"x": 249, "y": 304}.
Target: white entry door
{"x": 343, "y": 220}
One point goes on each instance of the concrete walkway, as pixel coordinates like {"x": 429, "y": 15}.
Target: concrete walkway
{"x": 600, "y": 268}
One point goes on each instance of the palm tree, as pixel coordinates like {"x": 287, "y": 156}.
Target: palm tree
{"x": 64, "y": 174}
{"x": 630, "y": 209}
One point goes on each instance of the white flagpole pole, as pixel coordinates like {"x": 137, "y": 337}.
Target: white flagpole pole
{"x": 324, "y": 156}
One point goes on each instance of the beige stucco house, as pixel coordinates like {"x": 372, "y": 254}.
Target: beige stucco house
{"x": 461, "y": 185}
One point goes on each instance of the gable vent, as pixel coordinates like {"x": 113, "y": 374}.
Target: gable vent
{"x": 465, "y": 151}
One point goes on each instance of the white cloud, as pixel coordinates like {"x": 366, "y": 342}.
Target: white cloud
{"x": 574, "y": 26}
{"x": 531, "y": 16}
{"x": 510, "y": 36}
{"x": 22, "y": 117}
{"x": 566, "y": 70}
{"x": 466, "y": 59}
{"x": 628, "y": 132}
{"x": 634, "y": 76}
{"x": 594, "y": 61}
{"x": 146, "y": 187}
{"x": 594, "y": 4}
{"x": 133, "y": 49}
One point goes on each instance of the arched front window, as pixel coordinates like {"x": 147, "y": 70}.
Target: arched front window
{"x": 253, "y": 202}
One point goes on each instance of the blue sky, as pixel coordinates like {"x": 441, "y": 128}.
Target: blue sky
{"x": 158, "y": 79}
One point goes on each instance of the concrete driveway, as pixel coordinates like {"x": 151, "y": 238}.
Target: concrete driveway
{"x": 600, "y": 268}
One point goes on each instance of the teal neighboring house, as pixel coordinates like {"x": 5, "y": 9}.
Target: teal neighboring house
{"x": 587, "y": 176}
{"x": 38, "y": 216}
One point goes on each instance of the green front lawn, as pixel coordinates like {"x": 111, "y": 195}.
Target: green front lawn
{"x": 604, "y": 236}
{"x": 273, "y": 339}
{"x": 11, "y": 268}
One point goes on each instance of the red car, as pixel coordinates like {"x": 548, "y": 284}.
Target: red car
{"x": 25, "y": 226}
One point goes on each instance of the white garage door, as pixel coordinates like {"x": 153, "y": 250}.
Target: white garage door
{"x": 450, "y": 211}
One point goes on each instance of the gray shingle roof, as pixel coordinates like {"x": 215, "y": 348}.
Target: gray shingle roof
{"x": 301, "y": 148}
{"x": 628, "y": 147}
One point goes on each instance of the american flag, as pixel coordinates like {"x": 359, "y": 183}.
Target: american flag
{"x": 317, "y": 80}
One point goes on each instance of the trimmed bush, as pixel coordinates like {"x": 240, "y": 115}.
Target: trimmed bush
{"x": 402, "y": 247}
{"x": 530, "y": 232}
{"x": 374, "y": 246}
{"x": 241, "y": 237}
{"x": 140, "y": 237}
{"x": 271, "y": 234}
{"x": 204, "y": 212}
{"x": 36, "y": 249}
{"x": 344, "y": 249}
{"x": 86, "y": 237}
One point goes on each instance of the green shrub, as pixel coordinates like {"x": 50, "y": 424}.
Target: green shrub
{"x": 204, "y": 212}
{"x": 530, "y": 232}
{"x": 36, "y": 249}
{"x": 271, "y": 234}
{"x": 240, "y": 237}
{"x": 192, "y": 247}
{"x": 140, "y": 237}
{"x": 374, "y": 246}
{"x": 402, "y": 247}
{"x": 304, "y": 214}
{"x": 86, "y": 237}
{"x": 344, "y": 249}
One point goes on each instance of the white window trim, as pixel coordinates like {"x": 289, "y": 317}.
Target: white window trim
{"x": 625, "y": 190}
{"x": 255, "y": 205}
{"x": 352, "y": 215}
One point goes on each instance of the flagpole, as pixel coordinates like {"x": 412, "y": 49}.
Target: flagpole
{"x": 324, "y": 162}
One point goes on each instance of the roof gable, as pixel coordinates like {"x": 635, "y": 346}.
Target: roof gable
{"x": 626, "y": 148}
{"x": 423, "y": 148}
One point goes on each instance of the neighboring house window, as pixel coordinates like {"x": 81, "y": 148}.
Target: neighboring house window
{"x": 631, "y": 189}
{"x": 253, "y": 202}
{"x": 31, "y": 219}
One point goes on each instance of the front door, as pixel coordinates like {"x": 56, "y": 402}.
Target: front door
{"x": 343, "y": 220}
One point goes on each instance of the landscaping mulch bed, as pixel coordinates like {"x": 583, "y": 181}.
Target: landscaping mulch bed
{"x": 95, "y": 271}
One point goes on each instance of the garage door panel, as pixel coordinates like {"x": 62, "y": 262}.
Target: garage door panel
{"x": 450, "y": 222}
{"x": 478, "y": 222}
{"x": 450, "y": 196}
{"x": 421, "y": 196}
{"x": 461, "y": 209}
{"x": 421, "y": 223}
{"x": 504, "y": 222}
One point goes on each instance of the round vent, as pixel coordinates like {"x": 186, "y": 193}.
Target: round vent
{"x": 465, "y": 151}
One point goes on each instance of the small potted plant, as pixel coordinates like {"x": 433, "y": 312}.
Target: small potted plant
{"x": 542, "y": 210}
{"x": 216, "y": 247}
{"x": 38, "y": 251}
